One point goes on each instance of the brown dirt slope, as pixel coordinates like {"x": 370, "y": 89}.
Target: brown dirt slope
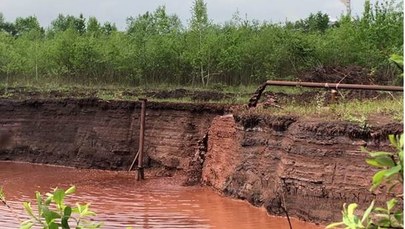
{"x": 309, "y": 167}
{"x": 91, "y": 133}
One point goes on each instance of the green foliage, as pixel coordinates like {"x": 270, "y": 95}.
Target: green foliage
{"x": 2, "y": 197}
{"x": 399, "y": 62}
{"x": 391, "y": 165}
{"x": 391, "y": 172}
{"x": 63, "y": 23}
{"x": 24, "y": 26}
{"x": 157, "y": 48}
{"x": 352, "y": 221}
{"x": 52, "y": 212}
{"x": 318, "y": 22}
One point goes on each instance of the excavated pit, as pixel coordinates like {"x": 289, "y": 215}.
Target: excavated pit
{"x": 309, "y": 167}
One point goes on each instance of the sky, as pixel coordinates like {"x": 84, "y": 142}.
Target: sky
{"x": 219, "y": 11}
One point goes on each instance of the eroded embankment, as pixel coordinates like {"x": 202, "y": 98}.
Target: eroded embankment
{"x": 90, "y": 133}
{"x": 309, "y": 167}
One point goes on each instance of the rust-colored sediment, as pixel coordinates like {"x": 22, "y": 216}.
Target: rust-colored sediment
{"x": 310, "y": 167}
{"x": 89, "y": 133}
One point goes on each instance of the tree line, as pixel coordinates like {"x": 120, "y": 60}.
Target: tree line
{"x": 157, "y": 48}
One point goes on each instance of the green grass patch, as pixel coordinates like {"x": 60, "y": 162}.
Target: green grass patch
{"x": 353, "y": 111}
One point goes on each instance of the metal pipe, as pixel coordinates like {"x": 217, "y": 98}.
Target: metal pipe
{"x": 140, "y": 175}
{"x": 335, "y": 86}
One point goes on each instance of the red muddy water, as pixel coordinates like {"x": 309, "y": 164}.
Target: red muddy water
{"x": 120, "y": 201}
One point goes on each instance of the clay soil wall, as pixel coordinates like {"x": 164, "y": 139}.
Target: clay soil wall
{"x": 89, "y": 133}
{"x": 310, "y": 168}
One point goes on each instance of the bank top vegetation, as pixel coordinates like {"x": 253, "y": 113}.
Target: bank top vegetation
{"x": 158, "y": 48}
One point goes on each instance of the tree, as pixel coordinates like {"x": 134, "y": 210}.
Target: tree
{"x": 318, "y": 22}
{"x": 156, "y": 37}
{"x": 63, "y": 23}
{"x": 26, "y": 25}
{"x": 2, "y": 22}
{"x": 157, "y": 48}
{"x": 10, "y": 60}
{"x": 164, "y": 23}
{"x": 7, "y": 26}
{"x": 199, "y": 25}
{"x": 93, "y": 26}
{"x": 108, "y": 28}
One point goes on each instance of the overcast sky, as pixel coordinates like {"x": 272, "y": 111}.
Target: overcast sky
{"x": 218, "y": 10}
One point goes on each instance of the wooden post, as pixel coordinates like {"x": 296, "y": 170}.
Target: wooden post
{"x": 333, "y": 96}
{"x": 140, "y": 174}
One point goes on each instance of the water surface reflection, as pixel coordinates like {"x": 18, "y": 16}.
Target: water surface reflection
{"x": 120, "y": 201}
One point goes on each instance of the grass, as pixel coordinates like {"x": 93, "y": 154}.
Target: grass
{"x": 355, "y": 111}
{"x": 349, "y": 110}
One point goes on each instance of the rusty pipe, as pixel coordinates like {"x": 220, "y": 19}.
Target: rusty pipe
{"x": 336, "y": 86}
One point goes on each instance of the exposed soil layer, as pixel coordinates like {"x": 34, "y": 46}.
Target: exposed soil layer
{"x": 90, "y": 133}
{"x": 309, "y": 167}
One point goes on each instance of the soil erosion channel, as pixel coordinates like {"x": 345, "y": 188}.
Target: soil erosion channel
{"x": 311, "y": 166}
